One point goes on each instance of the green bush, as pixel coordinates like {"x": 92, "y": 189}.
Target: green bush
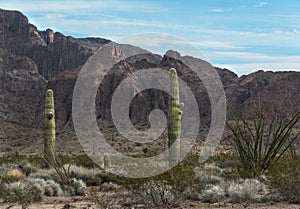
{"x": 285, "y": 177}
{"x": 27, "y": 168}
{"x": 77, "y": 187}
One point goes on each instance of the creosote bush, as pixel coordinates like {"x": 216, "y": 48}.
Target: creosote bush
{"x": 21, "y": 192}
{"x": 213, "y": 193}
{"x": 232, "y": 191}
{"x": 244, "y": 190}
{"x": 285, "y": 177}
{"x": 169, "y": 188}
{"x": 47, "y": 187}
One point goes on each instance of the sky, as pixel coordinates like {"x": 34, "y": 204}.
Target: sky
{"x": 241, "y": 35}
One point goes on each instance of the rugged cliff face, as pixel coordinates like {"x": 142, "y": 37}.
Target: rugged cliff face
{"x": 32, "y": 61}
{"x": 52, "y": 52}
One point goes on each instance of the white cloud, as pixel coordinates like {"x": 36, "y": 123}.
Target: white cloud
{"x": 159, "y": 43}
{"x": 200, "y": 36}
{"x": 262, "y": 4}
{"x": 254, "y": 61}
{"x": 242, "y": 69}
{"x": 154, "y": 40}
{"x": 217, "y": 45}
{"x": 220, "y": 10}
{"x": 105, "y": 19}
{"x": 54, "y": 16}
{"x": 278, "y": 38}
{"x": 159, "y": 39}
{"x": 294, "y": 32}
{"x": 285, "y": 15}
{"x": 80, "y": 6}
{"x": 217, "y": 10}
{"x": 251, "y": 57}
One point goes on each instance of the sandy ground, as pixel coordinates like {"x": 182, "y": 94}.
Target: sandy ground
{"x": 81, "y": 203}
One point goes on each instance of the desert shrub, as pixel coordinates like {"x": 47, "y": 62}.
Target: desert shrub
{"x": 18, "y": 159}
{"x": 244, "y": 190}
{"x": 46, "y": 174}
{"x": 160, "y": 193}
{"x": 229, "y": 174}
{"x": 61, "y": 170}
{"x": 294, "y": 151}
{"x": 213, "y": 193}
{"x": 261, "y": 140}
{"x": 103, "y": 200}
{"x": 13, "y": 175}
{"x": 78, "y": 160}
{"x": 27, "y": 168}
{"x": 84, "y": 161}
{"x": 73, "y": 187}
{"x": 47, "y": 187}
{"x": 205, "y": 180}
{"x": 110, "y": 177}
{"x": 169, "y": 188}
{"x": 285, "y": 177}
{"x": 21, "y": 192}
{"x": 77, "y": 187}
{"x": 38, "y": 183}
{"x": 89, "y": 176}
{"x": 56, "y": 188}
{"x": 110, "y": 186}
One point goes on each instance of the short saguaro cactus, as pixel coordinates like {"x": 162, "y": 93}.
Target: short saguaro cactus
{"x": 174, "y": 119}
{"x": 49, "y": 125}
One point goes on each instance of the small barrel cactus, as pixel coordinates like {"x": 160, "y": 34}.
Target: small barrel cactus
{"x": 174, "y": 119}
{"x": 49, "y": 125}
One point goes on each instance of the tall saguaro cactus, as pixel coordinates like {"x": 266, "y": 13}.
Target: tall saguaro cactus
{"x": 174, "y": 119}
{"x": 49, "y": 125}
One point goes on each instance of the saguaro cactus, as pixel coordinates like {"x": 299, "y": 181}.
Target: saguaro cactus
{"x": 106, "y": 162}
{"x": 174, "y": 119}
{"x": 49, "y": 125}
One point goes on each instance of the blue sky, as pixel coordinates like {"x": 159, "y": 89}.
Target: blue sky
{"x": 242, "y": 35}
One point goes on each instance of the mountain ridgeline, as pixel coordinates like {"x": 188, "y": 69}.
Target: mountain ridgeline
{"x": 32, "y": 61}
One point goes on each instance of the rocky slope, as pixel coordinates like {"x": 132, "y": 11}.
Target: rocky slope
{"x": 32, "y": 61}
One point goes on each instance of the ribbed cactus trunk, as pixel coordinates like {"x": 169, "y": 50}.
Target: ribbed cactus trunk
{"x": 106, "y": 162}
{"x": 49, "y": 125}
{"x": 174, "y": 119}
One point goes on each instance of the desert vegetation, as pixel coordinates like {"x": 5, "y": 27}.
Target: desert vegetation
{"x": 262, "y": 167}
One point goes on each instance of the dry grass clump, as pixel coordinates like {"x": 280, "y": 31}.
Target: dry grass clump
{"x": 13, "y": 175}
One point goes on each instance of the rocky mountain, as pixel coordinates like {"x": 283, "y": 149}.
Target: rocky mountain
{"x": 32, "y": 61}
